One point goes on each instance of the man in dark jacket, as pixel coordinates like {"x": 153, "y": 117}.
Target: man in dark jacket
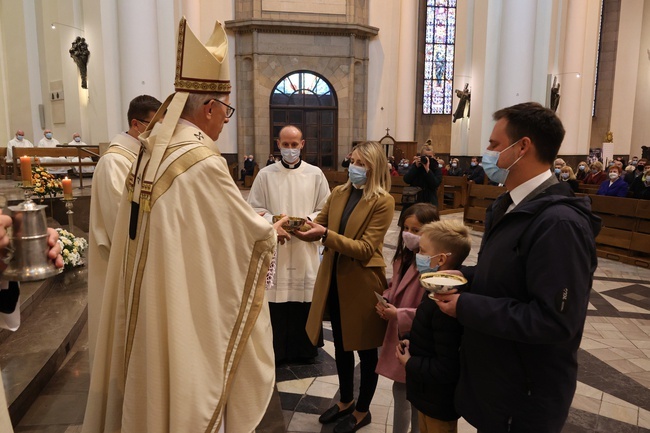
{"x": 525, "y": 310}
{"x": 425, "y": 173}
{"x": 475, "y": 172}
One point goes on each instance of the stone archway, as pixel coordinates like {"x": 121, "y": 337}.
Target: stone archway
{"x": 271, "y": 45}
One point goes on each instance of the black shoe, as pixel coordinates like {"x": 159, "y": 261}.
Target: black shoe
{"x": 334, "y": 413}
{"x": 349, "y": 424}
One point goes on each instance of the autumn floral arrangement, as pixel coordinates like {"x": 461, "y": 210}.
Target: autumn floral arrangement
{"x": 72, "y": 248}
{"x": 44, "y": 183}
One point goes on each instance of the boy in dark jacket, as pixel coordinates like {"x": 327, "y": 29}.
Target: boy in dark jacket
{"x": 430, "y": 355}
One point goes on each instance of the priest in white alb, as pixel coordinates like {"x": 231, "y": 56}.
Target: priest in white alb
{"x": 108, "y": 184}
{"x": 295, "y": 188}
{"x": 184, "y": 341}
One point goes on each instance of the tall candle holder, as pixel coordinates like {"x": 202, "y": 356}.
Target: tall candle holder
{"x": 69, "y": 205}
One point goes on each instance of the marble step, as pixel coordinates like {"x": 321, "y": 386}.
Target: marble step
{"x": 30, "y": 356}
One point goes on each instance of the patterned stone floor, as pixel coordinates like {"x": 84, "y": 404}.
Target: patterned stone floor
{"x": 613, "y": 392}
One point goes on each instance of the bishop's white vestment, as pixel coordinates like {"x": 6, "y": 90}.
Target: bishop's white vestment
{"x": 184, "y": 337}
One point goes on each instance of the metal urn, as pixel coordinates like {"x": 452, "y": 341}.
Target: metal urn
{"x": 27, "y": 258}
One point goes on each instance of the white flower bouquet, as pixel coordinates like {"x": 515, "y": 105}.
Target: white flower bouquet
{"x": 71, "y": 248}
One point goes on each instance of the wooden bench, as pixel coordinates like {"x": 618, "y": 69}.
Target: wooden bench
{"x": 454, "y": 187}
{"x": 335, "y": 178}
{"x": 479, "y": 198}
{"x": 248, "y": 179}
{"x": 56, "y": 152}
{"x": 625, "y": 232}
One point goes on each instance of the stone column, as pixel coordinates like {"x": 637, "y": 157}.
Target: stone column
{"x": 139, "y": 61}
{"x": 406, "y": 71}
{"x": 628, "y": 54}
{"x": 516, "y": 52}
{"x": 577, "y": 74}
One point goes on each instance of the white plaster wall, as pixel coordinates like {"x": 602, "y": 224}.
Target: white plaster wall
{"x": 382, "y": 69}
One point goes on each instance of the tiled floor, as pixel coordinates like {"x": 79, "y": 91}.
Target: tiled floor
{"x": 613, "y": 392}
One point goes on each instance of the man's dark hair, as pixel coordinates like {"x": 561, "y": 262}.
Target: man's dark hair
{"x": 141, "y": 106}
{"x": 536, "y": 122}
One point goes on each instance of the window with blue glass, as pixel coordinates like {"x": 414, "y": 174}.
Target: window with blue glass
{"x": 440, "y": 36}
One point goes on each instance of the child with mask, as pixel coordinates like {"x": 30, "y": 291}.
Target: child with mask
{"x": 430, "y": 354}
{"x": 402, "y": 298}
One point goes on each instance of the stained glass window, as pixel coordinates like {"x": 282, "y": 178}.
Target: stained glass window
{"x": 303, "y": 88}
{"x": 440, "y": 36}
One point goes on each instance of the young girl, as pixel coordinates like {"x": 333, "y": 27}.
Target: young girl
{"x": 403, "y": 295}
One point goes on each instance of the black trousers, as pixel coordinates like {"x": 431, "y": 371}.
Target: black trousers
{"x": 345, "y": 359}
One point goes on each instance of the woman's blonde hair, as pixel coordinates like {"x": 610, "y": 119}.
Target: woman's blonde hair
{"x": 568, "y": 169}
{"x": 597, "y": 165}
{"x": 450, "y": 237}
{"x": 377, "y": 176}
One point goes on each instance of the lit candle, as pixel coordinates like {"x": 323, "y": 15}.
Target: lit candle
{"x": 26, "y": 170}
{"x": 67, "y": 188}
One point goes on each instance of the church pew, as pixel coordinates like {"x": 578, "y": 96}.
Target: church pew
{"x": 479, "y": 197}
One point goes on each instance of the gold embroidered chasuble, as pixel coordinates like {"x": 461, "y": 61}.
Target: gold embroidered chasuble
{"x": 185, "y": 337}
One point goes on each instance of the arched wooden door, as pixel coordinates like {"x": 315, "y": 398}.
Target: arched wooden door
{"x": 306, "y": 100}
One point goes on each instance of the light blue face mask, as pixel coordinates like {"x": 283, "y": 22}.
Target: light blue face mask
{"x": 77, "y": 139}
{"x": 557, "y": 171}
{"x": 423, "y": 262}
{"x": 19, "y": 137}
{"x": 48, "y": 135}
{"x": 357, "y": 175}
{"x": 494, "y": 172}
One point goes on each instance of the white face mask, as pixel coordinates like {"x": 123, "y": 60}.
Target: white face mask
{"x": 613, "y": 175}
{"x": 290, "y": 156}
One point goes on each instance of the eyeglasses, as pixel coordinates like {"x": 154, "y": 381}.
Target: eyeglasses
{"x": 229, "y": 110}
{"x": 144, "y": 122}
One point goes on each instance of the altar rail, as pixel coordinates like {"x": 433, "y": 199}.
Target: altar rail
{"x": 55, "y": 152}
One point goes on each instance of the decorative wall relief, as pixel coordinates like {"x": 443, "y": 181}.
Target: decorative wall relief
{"x": 80, "y": 54}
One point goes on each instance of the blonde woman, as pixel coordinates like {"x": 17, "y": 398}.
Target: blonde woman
{"x": 596, "y": 176}
{"x": 567, "y": 175}
{"x": 352, "y": 226}
{"x": 582, "y": 171}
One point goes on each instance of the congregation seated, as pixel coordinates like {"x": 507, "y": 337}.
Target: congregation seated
{"x": 596, "y": 176}
{"x": 615, "y": 186}
{"x": 636, "y": 170}
{"x": 567, "y": 175}
{"x": 641, "y": 185}
{"x": 443, "y": 167}
{"x": 76, "y": 141}
{"x": 454, "y": 168}
{"x": 582, "y": 171}
{"x": 475, "y": 172}
{"x": 558, "y": 164}
{"x": 249, "y": 167}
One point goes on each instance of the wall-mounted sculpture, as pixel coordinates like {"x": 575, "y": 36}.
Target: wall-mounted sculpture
{"x": 80, "y": 54}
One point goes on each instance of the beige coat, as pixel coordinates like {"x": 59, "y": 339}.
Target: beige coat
{"x": 360, "y": 269}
